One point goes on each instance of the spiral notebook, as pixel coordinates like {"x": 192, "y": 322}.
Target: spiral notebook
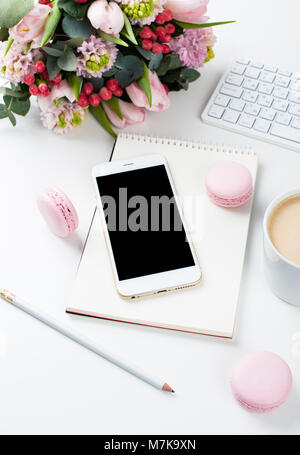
{"x": 219, "y": 236}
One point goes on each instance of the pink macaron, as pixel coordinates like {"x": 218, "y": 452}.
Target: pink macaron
{"x": 58, "y": 211}
{"x": 261, "y": 381}
{"x": 229, "y": 184}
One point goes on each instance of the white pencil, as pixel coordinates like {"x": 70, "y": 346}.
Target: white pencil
{"x": 84, "y": 341}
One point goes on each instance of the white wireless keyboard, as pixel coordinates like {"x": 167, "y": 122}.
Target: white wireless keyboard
{"x": 258, "y": 100}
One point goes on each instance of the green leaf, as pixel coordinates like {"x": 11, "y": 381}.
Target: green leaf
{"x": 12, "y": 11}
{"x": 74, "y": 28}
{"x": 75, "y": 83}
{"x": 67, "y": 61}
{"x": 3, "y": 111}
{"x": 115, "y": 106}
{"x": 144, "y": 83}
{"x": 51, "y": 24}
{"x": 14, "y": 93}
{"x": 73, "y": 42}
{"x": 169, "y": 62}
{"x": 4, "y": 34}
{"x": 129, "y": 32}
{"x": 74, "y": 9}
{"x": 20, "y": 107}
{"x": 100, "y": 115}
{"x": 189, "y": 74}
{"x": 9, "y": 44}
{"x": 112, "y": 39}
{"x": 155, "y": 61}
{"x": 52, "y": 67}
{"x": 12, "y": 118}
{"x": 97, "y": 82}
{"x": 52, "y": 51}
{"x": 205, "y": 25}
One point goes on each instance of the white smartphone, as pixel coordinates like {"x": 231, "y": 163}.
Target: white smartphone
{"x": 148, "y": 242}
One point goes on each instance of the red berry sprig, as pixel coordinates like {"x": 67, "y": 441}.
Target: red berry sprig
{"x": 89, "y": 97}
{"x": 156, "y": 40}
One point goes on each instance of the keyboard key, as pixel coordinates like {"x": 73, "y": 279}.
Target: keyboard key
{"x": 237, "y": 105}
{"x": 216, "y": 111}
{"x": 252, "y": 109}
{"x": 272, "y": 69}
{"x": 246, "y": 120}
{"x": 265, "y": 100}
{"x": 294, "y": 109}
{"x": 285, "y": 132}
{"x": 280, "y": 105}
{"x": 284, "y": 73}
{"x": 296, "y": 123}
{"x": 267, "y": 113}
{"x": 243, "y": 61}
{"x": 283, "y": 118}
{"x": 280, "y": 93}
{"x": 231, "y": 116}
{"x": 295, "y": 97}
{"x": 250, "y": 96}
{"x": 234, "y": 79}
{"x": 250, "y": 84}
{"x": 266, "y": 76}
{"x": 238, "y": 69}
{"x": 258, "y": 65}
{"x": 252, "y": 72}
{"x": 231, "y": 90}
{"x": 295, "y": 85}
{"x": 222, "y": 100}
{"x": 261, "y": 125}
{"x": 282, "y": 81}
{"x": 265, "y": 88}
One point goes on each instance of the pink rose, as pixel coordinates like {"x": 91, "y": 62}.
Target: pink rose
{"x": 31, "y": 28}
{"x": 131, "y": 114}
{"x": 160, "y": 99}
{"x": 189, "y": 10}
{"x": 107, "y": 17}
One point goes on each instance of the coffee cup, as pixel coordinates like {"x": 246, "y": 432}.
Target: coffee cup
{"x": 281, "y": 230}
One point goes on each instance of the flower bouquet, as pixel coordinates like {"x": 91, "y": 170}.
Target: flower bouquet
{"x": 114, "y": 58}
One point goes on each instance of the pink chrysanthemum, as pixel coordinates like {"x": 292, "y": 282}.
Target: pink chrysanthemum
{"x": 63, "y": 118}
{"x": 95, "y": 56}
{"x": 142, "y": 12}
{"x": 193, "y": 45}
{"x": 17, "y": 62}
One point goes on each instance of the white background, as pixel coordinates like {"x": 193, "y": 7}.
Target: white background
{"x": 48, "y": 384}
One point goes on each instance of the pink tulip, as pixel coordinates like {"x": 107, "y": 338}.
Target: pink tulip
{"x": 58, "y": 91}
{"x": 160, "y": 99}
{"x": 31, "y": 28}
{"x": 131, "y": 114}
{"x": 188, "y": 11}
{"x": 105, "y": 16}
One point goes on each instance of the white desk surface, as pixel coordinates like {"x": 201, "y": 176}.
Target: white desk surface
{"x": 49, "y": 384}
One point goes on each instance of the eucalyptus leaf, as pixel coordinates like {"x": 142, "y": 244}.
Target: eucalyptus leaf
{"x": 12, "y": 11}
{"x": 155, "y": 61}
{"x": 14, "y": 93}
{"x": 145, "y": 53}
{"x": 144, "y": 83}
{"x": 74, "y": 9}
{"x": 189, "y": 74}
{"x": 112, "y": 39}
{"x": 169, "y": 62}
{"x": 205, "y": 25}
{"x": 12, "y": 118}
{"x": 3, "y": 111}
{"x": 52, "y": 51}
{"x": 20, "y": 107}
{"x": 98, "y": 82}
{"x": 4, "y": 34}
{"x": 100, "y": 115}
{"x": 67, "y": 61}
{"x": 51, "y": 23}
{"x": 75, "y": 28}
{"x": 73, "y": 42}
{"x": 52, "y": 67}
{"x": 75, "y": 83}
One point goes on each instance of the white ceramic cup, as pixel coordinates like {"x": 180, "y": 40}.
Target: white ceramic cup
{"x": 282, "y": 275}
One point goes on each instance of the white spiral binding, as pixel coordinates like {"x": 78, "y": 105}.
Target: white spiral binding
{"x": 197, "y": 145}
